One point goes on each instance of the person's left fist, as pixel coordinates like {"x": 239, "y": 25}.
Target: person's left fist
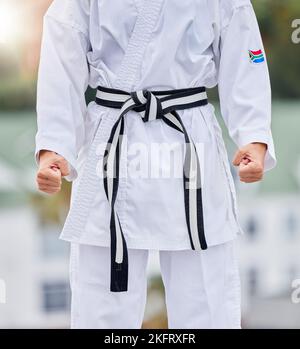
{"x": 250, "y": 160}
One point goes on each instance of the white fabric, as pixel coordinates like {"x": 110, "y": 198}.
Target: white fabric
{"x": 202, "y": 289}
{"x": 156, "y": 44}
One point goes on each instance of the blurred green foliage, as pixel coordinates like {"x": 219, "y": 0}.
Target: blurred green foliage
{"x": 17, "y": 94}
{"x": 275, "y": 18}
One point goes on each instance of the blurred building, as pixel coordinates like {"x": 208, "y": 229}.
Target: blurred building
{"x": 34, "y": 267}
{"x": 33, "y": 262}
{"x": 270, "y": 214}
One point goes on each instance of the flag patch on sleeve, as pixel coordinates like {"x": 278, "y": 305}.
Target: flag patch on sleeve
{"x": 256, "y": 56}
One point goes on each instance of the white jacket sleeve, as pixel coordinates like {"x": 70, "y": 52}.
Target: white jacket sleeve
{"x": 244, "y": 84}
{"x": 62, "y": 82}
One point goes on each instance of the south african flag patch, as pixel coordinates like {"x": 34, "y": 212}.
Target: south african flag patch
{"x": 256, "y": 56}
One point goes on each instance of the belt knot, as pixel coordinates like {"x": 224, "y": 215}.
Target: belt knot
{"x": 147, "y": 104}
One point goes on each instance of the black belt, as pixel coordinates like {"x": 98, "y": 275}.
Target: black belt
{"x": 151, "y": 105}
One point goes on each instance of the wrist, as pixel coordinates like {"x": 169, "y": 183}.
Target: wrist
{"x": 262, "y": 145}
{"x": 45, "y": 154}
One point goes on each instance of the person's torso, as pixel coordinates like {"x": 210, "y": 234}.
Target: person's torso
{"x": 179, "y": 53}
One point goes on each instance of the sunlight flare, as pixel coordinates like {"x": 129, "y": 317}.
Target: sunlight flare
{"x": 8, "y": 22}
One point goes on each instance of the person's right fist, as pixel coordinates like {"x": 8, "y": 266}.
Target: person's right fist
{"x": 52, "y": 167}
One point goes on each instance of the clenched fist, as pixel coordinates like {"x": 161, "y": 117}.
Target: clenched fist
{"x": 250, "y": 160}
{"x": 52, "y": 167}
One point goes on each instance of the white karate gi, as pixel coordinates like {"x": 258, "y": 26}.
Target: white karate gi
{"x": 212, "y": 300}
{"x": 158, "y": 44}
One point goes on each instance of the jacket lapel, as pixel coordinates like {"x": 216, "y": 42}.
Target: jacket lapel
{"x": 138, "y": 41}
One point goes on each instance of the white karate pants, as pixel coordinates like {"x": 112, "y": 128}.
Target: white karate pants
{"x": 202, "y": 288}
